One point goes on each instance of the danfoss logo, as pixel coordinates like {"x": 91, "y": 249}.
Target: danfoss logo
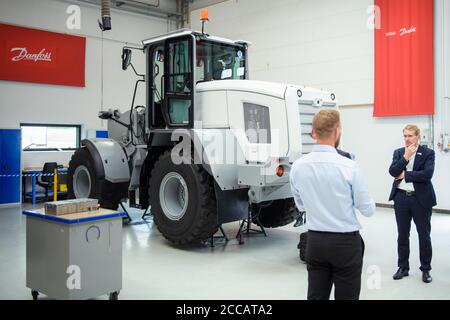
{"x": 402, "y": 32}
{"x": 22, "y": 54}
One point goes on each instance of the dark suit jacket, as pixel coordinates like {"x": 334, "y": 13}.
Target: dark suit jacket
{"x": 344, "y": 153}
{"x": 420, "y": 176}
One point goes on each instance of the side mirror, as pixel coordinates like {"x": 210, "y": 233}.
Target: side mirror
{"x": 126, "y": 58}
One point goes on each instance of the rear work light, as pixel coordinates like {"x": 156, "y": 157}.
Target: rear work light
{"x": 280, "y": 171}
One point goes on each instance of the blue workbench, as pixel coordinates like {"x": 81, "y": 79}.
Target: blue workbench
{"x": 34, "y": 173}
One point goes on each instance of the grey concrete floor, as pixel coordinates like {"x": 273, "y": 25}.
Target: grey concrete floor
{"x": 262, "y": 268}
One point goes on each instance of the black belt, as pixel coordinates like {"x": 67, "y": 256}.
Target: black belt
{"x": 354, "y": 233}
{"x": 408, "y": 193}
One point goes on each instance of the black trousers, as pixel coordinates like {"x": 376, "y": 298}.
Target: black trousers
{"x": 407, "y": 208}
{"x": 334, "y": 259}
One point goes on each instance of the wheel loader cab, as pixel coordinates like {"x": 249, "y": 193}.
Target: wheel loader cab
{"x": 176, "y": 64}
{"x": 171, "y": 93}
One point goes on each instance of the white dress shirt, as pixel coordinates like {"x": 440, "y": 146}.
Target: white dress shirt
{"x": 408, "y": 186}
{"x": 329, "y": 187}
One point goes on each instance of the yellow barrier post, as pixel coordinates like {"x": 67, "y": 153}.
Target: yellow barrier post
{"x": 55, "y": 185}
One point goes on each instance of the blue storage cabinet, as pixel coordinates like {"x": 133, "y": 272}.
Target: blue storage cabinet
{"x": 9, "y": 166}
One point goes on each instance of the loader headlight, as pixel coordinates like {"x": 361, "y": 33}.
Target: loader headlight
{"x": 299, "y": 93}
{"x": 332, "y": 97}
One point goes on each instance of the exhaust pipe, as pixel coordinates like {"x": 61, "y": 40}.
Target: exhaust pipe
{"x": 106, "y": 15}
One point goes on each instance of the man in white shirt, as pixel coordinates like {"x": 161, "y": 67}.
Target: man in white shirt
{"x": 329, "y": 187}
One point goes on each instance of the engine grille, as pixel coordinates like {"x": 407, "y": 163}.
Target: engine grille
{"x": 307, "y": 110}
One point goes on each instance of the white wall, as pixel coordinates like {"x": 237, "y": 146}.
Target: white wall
{"x": 42, "y": 103}
{"x": 326, "y": 44}
{"x": 302, "y": 42}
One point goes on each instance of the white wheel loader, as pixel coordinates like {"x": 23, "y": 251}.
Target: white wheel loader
{"x": 210, "y": 145}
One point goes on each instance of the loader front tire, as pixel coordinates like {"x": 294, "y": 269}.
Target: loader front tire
{"x": 183, "y": 201}
{"x": 84, "y": 182}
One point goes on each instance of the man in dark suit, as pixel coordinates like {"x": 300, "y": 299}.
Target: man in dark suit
{"x": 413, "y": 195}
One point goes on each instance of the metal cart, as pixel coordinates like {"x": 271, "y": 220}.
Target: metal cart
{"x": 74, "y": 256}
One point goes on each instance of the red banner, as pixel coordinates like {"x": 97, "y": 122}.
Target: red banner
{"x": 404, "y": 68}
{"x": 32, "y": 55}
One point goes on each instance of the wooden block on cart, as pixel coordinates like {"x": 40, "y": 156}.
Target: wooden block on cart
{"x": 71, "y": 206}
{"x": 86, "y": 204}
{"x": 60, "y": 207}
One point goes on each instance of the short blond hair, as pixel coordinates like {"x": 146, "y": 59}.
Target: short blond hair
{"x": 412, "y": 127}
{"x": 325, "y": 121}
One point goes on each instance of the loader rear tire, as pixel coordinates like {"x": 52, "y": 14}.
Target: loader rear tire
{"x": 278, "y": 213}
{"x": 183, "y": 201}
{"x": 84, "y": 182}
